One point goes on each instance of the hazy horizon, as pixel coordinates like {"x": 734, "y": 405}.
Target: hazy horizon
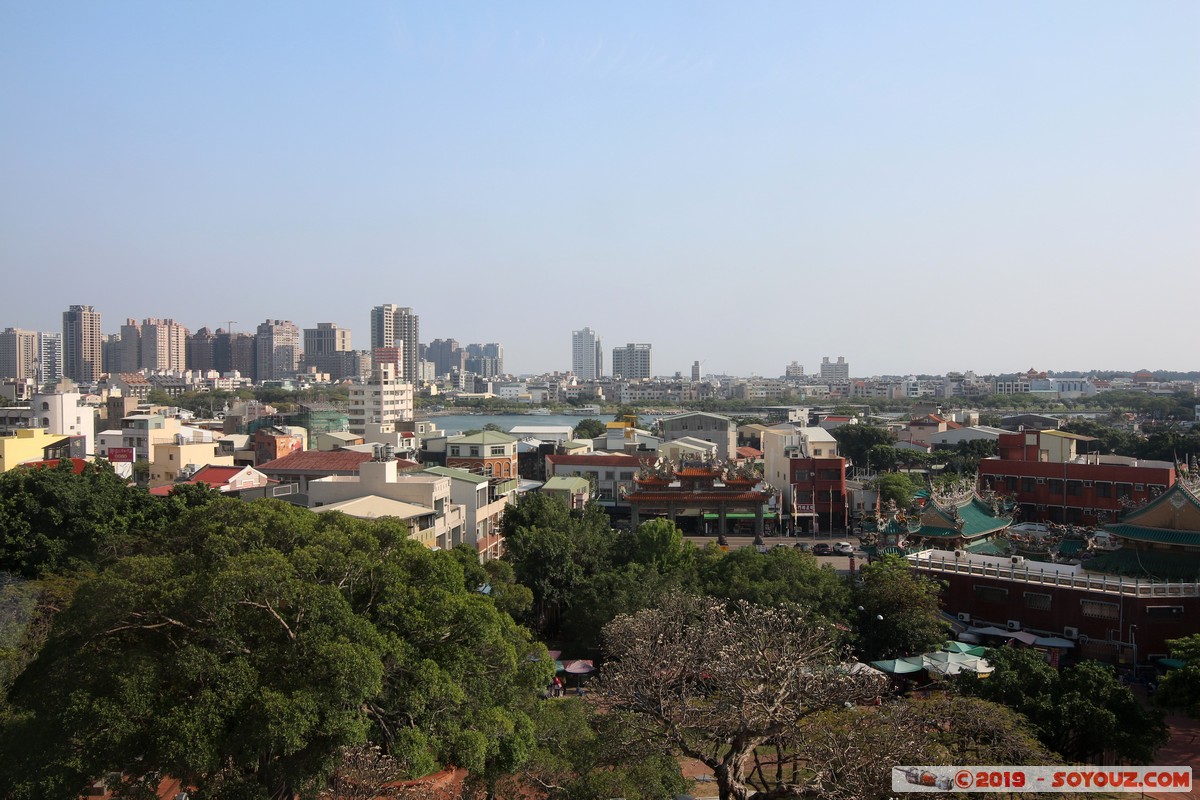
{"x": 919, "y": 188}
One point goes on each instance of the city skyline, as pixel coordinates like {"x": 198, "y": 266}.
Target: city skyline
{"x": 989, "y": 187}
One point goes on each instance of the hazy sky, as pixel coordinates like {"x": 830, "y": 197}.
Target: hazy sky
{"x": 919, "y": 186}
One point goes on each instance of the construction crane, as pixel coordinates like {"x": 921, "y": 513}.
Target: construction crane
{"x": 229, "y": 323}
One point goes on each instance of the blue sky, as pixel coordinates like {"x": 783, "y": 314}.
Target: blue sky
{"x": 920, "y": 187}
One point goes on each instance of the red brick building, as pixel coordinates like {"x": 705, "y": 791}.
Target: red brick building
{"x": 1052, "y": 481}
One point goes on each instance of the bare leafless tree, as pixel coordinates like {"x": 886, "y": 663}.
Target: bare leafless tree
{"x": 728, "y": 683}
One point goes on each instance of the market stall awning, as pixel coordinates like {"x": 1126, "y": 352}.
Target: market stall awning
{"x": 579, "y": 667}
{"x": 964, "y": 647}
{"x": 899, "y": 666}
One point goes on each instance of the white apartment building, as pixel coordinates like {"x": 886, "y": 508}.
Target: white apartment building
{"x": 587, "y": 355}
{"x": 386, "y": 399}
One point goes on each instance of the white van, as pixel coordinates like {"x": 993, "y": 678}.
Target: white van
{"x": 843, "y": 548}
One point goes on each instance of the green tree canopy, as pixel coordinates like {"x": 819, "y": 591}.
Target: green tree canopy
{"x": 1080, "y": 712}
{"x": 898, "y": 611}
{"x": 52, "y": 520}
{"x": 855, "y": 440}
{"x": 1180, "y": 688}
{"x": 589, "y": 428}
{"x": 258, "y": 642}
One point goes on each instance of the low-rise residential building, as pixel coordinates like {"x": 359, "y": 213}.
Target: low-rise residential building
{"x": 715, "y": 428}
{"x": 181, "y": 459}
{"x": 440, "y": 524}
{"x": 489, "y": 453}
{"x": 483, "y": 500}
{"x": 611, "y": 475}
{"x": 303, "y": 467}
{"x": 574, "y": 492}
{"x": 28, "y": 444}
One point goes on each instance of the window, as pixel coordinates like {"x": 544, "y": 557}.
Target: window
{"x": 991, "y": 594}
{"x": 1164, "y": 612}
{"x": 626, "y": 476}
{"x": 1074, "y": 488}
{"x": 1039, "y": 601}
{"x": 608, "y": 475}
{"x": 1103, "y": 489}
{"x": 454, "y": 450}
{"x": 475, "y": 451}
{"x": 1056, "y": 486}
{"x": 1124, "y": 489}
{"x": 800, "y": 476}
{"x": 1027, "y": 484}
{"x": 1010, "y": 483}
{"x": 1099, "y": 609}
{"x": 497, "y": 450}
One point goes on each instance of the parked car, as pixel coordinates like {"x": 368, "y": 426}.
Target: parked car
{"x": 803, "y": 547}
{"x": 822, "y": 549}
{"x": 843, "y": 549}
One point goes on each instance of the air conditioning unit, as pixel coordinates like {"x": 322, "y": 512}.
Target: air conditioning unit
{"x": 1087, "y": 484}
{"x": 964, "y": 617}
{"x": 1018, "y": 560}
{"x": 1071, "y": 632}
{"x": 1014, "y": 625}
{"x": 1083, "y": 639}
{"x": 960, "y": 553}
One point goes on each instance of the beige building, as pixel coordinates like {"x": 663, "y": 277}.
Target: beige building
{"x": 382, "y": 479}
{"x": 82, "y": 344}
{"x": 180, "y": 459}
{"x": 18, "y": 354}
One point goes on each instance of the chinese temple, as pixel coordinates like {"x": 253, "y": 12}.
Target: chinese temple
{"x": 951, "y": 520}
{"x": 696, "y": 494}
{"x": 1159, "y": 540}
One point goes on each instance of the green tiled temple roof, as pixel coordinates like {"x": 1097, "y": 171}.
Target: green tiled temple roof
{"x": 1147, "y": 564}
{"x": 1161, "y": 535}
{"x": 977, "y": 520}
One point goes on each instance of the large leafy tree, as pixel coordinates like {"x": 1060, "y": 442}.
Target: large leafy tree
{"x": 855, "y": 440}
{"x": 589, "y": 428}
{"x": 52, "y": 520}
{"x": 898, "y": 611}
{"x": 260, "y": 641}
{"x": 1080, "y": 712}
{"x": 718, "y": 681}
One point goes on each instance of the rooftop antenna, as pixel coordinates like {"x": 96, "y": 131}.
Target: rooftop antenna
{"x": 229, "y": 323}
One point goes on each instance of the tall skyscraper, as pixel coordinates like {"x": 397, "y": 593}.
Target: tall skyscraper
{"x": 587, "y": 355}
{"x": 327, "y": 349}
{"x": 398, "y": 326}
{"x": 486, "y": 360}
{"x": 632, "y": 362}
{"x": 831, "y": 371}
{"x": 50, "y": 358}
{"x": 82, "y": 344}
{"x": 155, "y": 344}
{"x": 277, "y": 350}
{"x": 697, "y": 372}
{"x": 18, "y": 353}
{"x": 201, "y": 349}
{"x": 447, "y": 356}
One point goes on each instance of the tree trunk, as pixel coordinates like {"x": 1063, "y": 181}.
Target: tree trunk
{"x": 731, "y": 777}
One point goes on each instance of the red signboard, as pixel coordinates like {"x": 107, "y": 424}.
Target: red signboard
{"x": 120, "y": 455}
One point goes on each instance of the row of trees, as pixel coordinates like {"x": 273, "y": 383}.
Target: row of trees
{"x": 582, "y": 575}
